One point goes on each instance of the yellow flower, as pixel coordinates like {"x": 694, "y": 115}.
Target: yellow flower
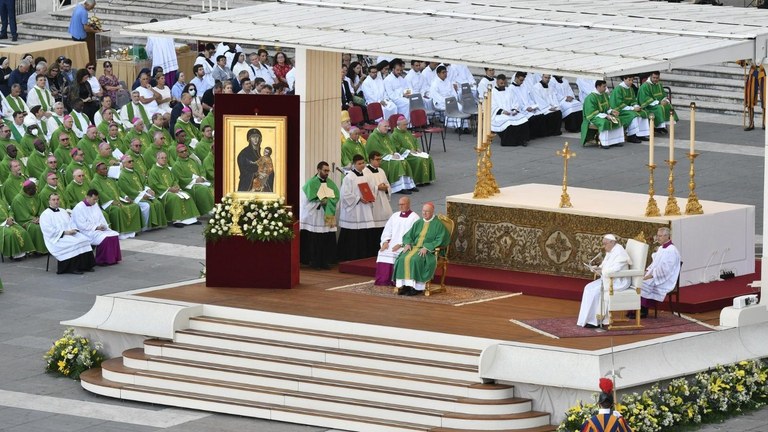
{"x": 61, "y": 364}
{"x": 74, "y": 351}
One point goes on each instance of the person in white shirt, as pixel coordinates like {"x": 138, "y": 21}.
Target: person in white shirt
{"x": 488, "y": 80}
{"x": 441, "y": 88}
{"x": 204, "y": 60}
{"x": 199, "y": 81}
{"x": 40, "y": 95}
{"x": 261, "y": 68}
{"x": 508, "y": 117}
{"x": 428, "y": 71}
{"x": 545, "y": 97}
{"x": 391, "y": 241}
{"x": 570, "y": 107}
{"x": 88, "y": 218}
{"x": 373, "y": 91}
{"x": 71, "y": 249}
{"x": 56, "y": 119}
{"x": 460, "y": 74}
{"x": 536, "y": 121}
{"x": 593, "y": 302}
{"x": 147, "y": 95}
{"x": 396, "y": 88}
{"x": 13, "y": 102}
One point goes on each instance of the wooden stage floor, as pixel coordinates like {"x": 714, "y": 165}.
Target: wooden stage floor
{"x": 489, "y": 319}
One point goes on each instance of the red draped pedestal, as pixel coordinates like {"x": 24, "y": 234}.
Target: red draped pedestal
{"x": 240, "y": 263}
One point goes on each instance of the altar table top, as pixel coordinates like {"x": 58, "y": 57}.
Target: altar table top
{"x": 51, "y": 49}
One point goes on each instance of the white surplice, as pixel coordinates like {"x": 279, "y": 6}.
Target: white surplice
{"x": 381, "y": 208}
{"x": 373, "y": 91}
{"x": 162, "y": 51}
{"x": 394, "y": 230}
{"x": 546, "y": 98}
{"x": 564, "y": 91}
{"x": 395, "y": 88}
{"x": 353, "y": 213}
{"x": 665, "y": 269}
{"x": 87, "y": 218}
{"x": 615, "y": 260}
{"x": 62, "y": 247}
{"x": 440, "y": 90}
{"x": 506, "y": 101}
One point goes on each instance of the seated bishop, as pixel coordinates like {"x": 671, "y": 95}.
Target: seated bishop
{"x": 416, "y": 264}
{"x": 391, "y": 240}
{"x": 88, "y": 218}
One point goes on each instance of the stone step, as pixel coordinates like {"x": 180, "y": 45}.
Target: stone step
{"x": 727, "y": 70}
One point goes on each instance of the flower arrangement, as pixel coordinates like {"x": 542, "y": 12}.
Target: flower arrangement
{"x": 72, "y": 355}
{"x": 706, "y": 397}
{"x": 255, "y": 220}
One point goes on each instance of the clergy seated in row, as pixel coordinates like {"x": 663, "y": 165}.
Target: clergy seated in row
{"x": 546, "y": 98}
{"x": 542, "y": 121}
{"x": 188, "y": 170}
{"x": 37, "y": 116}
{"x": 632, "y": 117}
{"x": 317, "y": 219}
{"x": 89, "y": 144}
{"x": 140, "y": 164}
{"x": 40, "y": 95}
{"x": 56, "y": 119}
{"x": 509, "y": 119}
{"x": 593, "y": 303}
{"x": 16, "y": 124}
{"x": 139, "y": 131}
{"x": 50, "y": 185}
{"x": 78, "y": 162}
{"x": 89, "y": 220}
{"x": 132, "y": 110}
{"x": 598, "y": 112}
{"x": 652, "y": 97}
{"x": 570, "y": 107}
{"x": 26, "y": 209}
{"x": 5, "y": 138}
{"x": 180, "y": 208}
{"x": 11, "y": 154}
{"x": 396, "y": 88}
{"x": 80, "y": 119}
{"x": 158, "y": 125}
{"x": 355, "y": 214}
{"x": 421, "y": 163}
{"x": 134, "y": 185}
{"x": 65, "y": 128}
{"x": 108, "y": 114}
{"x": 124, "y": 216}
{"x": 15, "y": 180}
{"x": 398, "y": 171}
{"x": 373, "y": 91}
{"x": 28, "y": 139}
{"x": 441, "y": 88}
{"x": 204, "y": 147}
{"x": 158, "y": 144}
{"x": 14, "y": 102}
{"x": 662, "y": 274}
{"x": 416, "y": 264}
{"x": 36, "y": 160}
{"x": 71, "y": 249}
{"x": 105, "y": 156}
{"x": 391, "y": 240}
{"x": 77, "y": 188}
{"x": 113, "y": 135}
{"x": 418, "y": 82}
{"x": 351, "y": 146}
{"x": 381, "y": 209}
{"x": 15, "y": 241}
{"x": 63, "y": 152}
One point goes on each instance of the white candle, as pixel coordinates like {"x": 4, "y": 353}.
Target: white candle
{"x": 219, "y": 4}
{"x": 693, "y": 128}
{"x": 480, "y": 109}
{"x": 671, "y": 138}
{"x": 203, "y": 2}
{"x": 650, "y": 149}
{"x": 210, "y": 5}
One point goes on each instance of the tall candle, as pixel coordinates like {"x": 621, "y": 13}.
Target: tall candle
{"x": 487, "y": 128}
{"x": 480, "y": 120}
{"x": 650, "y": 148}
{"x": 210, "y": 5}
{"x": 671, "y": 138}
{"x": 203, "y": 1}
{"x": 219, "y": 4}
{"x": 693, "y": 127}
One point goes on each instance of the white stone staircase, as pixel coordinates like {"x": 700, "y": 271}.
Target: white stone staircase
{"x": 323, "y": 373}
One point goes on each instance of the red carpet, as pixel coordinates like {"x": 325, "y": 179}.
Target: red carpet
{"x": 664, "y": 324}
{"x": 693, "y": 298}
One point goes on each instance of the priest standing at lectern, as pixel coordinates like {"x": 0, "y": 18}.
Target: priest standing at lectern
{"x": 391, "y": 240}
{"x": 416, "y": 265}
{"x": 317, "y": 215}
{"x": 592, "y": 304}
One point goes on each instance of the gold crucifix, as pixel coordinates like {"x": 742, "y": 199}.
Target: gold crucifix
{"x": 565, "y": 153}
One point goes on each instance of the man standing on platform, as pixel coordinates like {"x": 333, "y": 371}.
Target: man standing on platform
{"x": 8, "y": 14}
{"x": 317, "y": 215}
{"x": 381, "y": 209}
{"x": 597, "y": 111}
{"x": 355, "y": 214}
{"x": 662, "y": 275}
{"x": 592, "y": 301}
{"x": 88, "y": 218}
{"x": 79, "y": 27}
{"x": 70, "y": 248}
{"x": 653, "y": 98}
{"x": 391, "y": 240}
{"x": 416, "y": 265}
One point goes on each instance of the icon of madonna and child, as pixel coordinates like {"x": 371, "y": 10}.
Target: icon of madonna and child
{"x": 257, "y": 171}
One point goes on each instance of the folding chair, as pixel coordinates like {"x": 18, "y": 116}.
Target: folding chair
{"x": 420, "y": 124}
{"x": 415, "y": 101}
{"x": 469, "y": 106}
{"x": 452, "y": 112}
{"x": 375, "y": 112}
{"x": 357, "y": 119}
{"x": 392, "y": 120}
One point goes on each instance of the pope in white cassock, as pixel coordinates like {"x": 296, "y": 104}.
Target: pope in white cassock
{"x": 592, "y": 301}
{"x": 391, "y": 239}
{"x": 89, "y": 219}
{"x": 70, "y": 248}
{"x": 661, "y": 276}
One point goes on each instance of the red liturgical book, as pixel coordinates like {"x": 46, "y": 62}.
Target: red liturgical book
{"x": 365, "y": 192}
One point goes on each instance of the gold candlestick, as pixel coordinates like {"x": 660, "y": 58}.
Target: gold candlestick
{"x": 651, "y": 209}
{"x": 235, "y": 210}
{"x": 565, "y": 153}
{"x": 483, "y": 186}
{"x": 692, "y": 206}
{"x": 672, "y": 209}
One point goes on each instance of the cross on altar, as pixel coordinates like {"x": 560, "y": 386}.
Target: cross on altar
{"x": 565, "y": 153}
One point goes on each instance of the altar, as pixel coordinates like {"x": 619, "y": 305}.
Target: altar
{"x": 523, "y": 229}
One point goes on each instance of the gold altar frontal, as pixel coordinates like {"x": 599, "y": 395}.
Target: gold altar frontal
{"x": 523, "y": 229}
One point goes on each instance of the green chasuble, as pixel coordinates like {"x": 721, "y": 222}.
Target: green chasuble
{"x": 310, "y": 190}
{"x": 139, "y": 164}
{"x": 648, "y": 94}
{"x": 622, "y": 97}
{"x": 12, "y": 187}
{"x": 90, "y": 147}
{"x": 107, "y": 160}
{"x": 351, "y": 148}
{"x": 594, "y": 104}
{"x": 15, "y": 239}
{"x": 176, "y": 208}
{"x": 394, "y": 168}
{"x": 5, "y": 169}
{"x": 183, "y": 170}
{"x": 423, "y": 168}
{"x": 36, "y": 164}
{"x": 144, "y": 137}
{"x": 203, "y": 148}
{"x": 116, "y": 142}
{"x": 428, "y": 234}
{"x": 45, "y": 193}
{"x": 27, "y": 144}
{"x": 25, "y": 208}
{"x": 154, "y": 129}
{"x": 87, "y": 173}
{"x": 16, "y": 103}
{"x": 132, "y": 183}
{"x": 55, "y": 137}
{"x": 76, "y": 193}
{"x": 4, "y": 143}
{"x": 134, "y": 110}
{"x": 150, "y": 154}
{"x": 208, "y": 167}
{"x": 208, "y": 120}
{"x": 16, "y": 135}
{"x": 63, "y": 156}
{"x": 191, "y": 130}
{"x": 123, "y": 217}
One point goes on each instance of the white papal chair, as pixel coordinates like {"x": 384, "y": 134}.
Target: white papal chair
{"x": 628, "y": 299}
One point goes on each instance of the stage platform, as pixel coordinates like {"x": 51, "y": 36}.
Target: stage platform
{"x": 697, "y": 298}
{"x": 225, "y": 349}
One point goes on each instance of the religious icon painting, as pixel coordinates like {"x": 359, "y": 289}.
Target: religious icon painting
{"x": 255, "y": 157}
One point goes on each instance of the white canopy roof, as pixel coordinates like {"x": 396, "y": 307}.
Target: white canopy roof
{"x": 563, "y": 37}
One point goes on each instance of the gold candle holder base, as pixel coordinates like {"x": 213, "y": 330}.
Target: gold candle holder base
{"x": 692, "y": 206}
{"x": 485, "y": 185}
{"x": 671, "y": 209}
{"x": 236, "y": 209}
{"x": 651, "y": 209}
